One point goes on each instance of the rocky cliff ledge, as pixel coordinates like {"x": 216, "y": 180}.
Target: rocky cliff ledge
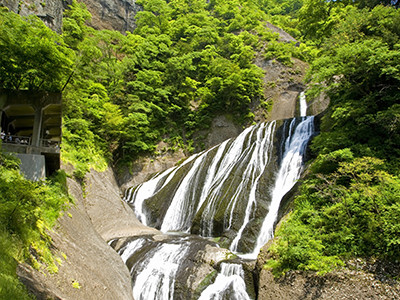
{"x": 106, "y": 14}
{"x": 49, "y": 11}
{"x": 90, "y": 268}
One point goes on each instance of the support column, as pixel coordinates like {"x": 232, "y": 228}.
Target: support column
{"x": 37, "y": 127}
{"x": 3, "y": 100}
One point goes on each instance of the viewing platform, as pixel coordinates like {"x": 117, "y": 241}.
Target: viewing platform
{"x": 31, "y": 129}
{"x": 23, "y": 144}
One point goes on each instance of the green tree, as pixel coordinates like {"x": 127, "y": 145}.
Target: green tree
{"x": 74, "y": 24}
{"x": 31, "y": 55}
{"x": 352, "y": 211}
{"x": 362, "y": 75}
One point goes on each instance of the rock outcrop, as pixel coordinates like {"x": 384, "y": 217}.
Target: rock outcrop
{"x": 106, "y": 14}
{"x": 342, "y": 284}
{"x": 222, "y": 128}
{"x": 89, "y": 268}
{"x": 283, "y": 85}
{"x": 113, "y": 14}
{"x": 145, "y": 167}
{"x": 49, "y": 11}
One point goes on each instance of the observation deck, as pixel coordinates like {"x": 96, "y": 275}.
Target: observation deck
{"x": 31, "y": 129}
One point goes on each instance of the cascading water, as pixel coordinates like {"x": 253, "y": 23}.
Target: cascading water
{"x": 232, "y": 191}
{"x": 303, "y": 104}
{"x": 214, "y": 194}
{"x": 289, "y": 172}
{"x": 229, "y": 284}
{"x": 149, "y": 189}
{"x": 155, "y": 261}
{"x": 154, "y": 272}
{"x": 258, "y": 159}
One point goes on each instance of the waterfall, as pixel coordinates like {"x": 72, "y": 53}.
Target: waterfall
{"x": 155, "y": 277}
{"x": 225, "y": 190}
{"x": 232, "y": 191}
{"x": 289, "y": 173}
{"x": 154, "y": 272}
{"x": 229, "y": 284}
{"x": 233, "y": 155}
{"x": 303, "y": 104}
{"x": 258, "y": 160}
{"x": 182, "y": 205}
{"x": 137, "y": 196}
{"x": 144, "y": 191}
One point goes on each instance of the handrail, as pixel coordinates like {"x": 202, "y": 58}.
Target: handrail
{"x": 27, "y": 141}
{"x": 16, "y": 139}
{"x": 49, "y": 143}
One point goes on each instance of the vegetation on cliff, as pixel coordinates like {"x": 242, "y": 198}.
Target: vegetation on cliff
{"x": 184, "y": 63}
{"x": 27, "y": 211}
{"x": 123, "y": 94}
{"x": 31, "y": 55}
{"x": 349, "y": 205}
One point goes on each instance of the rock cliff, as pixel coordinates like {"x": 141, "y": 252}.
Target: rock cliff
{"x": 89, "y": 268}
{"x": 359, "y": 280}
{"x": 106, "y": 14}
{"x": 113, "y": 14}
{"x": 49, "y": 11}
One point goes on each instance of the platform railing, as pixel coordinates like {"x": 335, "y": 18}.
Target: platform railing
{"x": 16, "y": 139}
{"x": 49, "y": 143}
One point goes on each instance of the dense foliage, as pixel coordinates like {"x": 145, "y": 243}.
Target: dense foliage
{"x": 185, "y": 63}
{"x": 353, "y": 211}
{"x": 31, "y": 55}
{"x": 349, "y": 204}
{"x": 27, "y": 211}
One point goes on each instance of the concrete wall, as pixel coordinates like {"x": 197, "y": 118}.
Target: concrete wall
{"x": 33, "y": 166}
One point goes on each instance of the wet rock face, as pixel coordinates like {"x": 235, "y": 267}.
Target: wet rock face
{"x": 113, "y": 14}
{"x": 208, "y": 195}
{"x": 49, "y": 11}
{"x": 194, "y": 258}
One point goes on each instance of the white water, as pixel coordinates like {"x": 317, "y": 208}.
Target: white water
{"x": 303, "y": 105}
{"x": 289, "y": 173}
{"x": 229, "y": 284}
{"x": 211, "y": 174}
{"x": 144, "y": 191}
{"x": 150, "y": 188}
{"x": 130, "y": 249}
{"x": 154, "y": 275}
{"x": 181, "y": 208}
{"x": 258, "y": 162}
{"x": 226, "y": 167}
{"x": 250, "y": 153}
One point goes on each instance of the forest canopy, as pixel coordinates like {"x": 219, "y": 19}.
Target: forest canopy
{"x": 183, "y": 64}
{"x": 348, "y": 206}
